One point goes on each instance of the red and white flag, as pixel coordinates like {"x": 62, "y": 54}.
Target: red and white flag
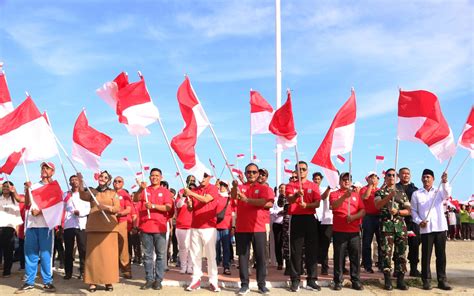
{"x": 420, "y": 119}
{"x": 261, "y": 114}
{"x": 12, "y": 162}
{"x": 237, "y": 172}
{"x": 379, "y": 158}
{"x": 340, "y": 159}
{"x": 196, "y": 122}
{"x": 88, "y": 143}
{"x": 287, "y": 171}
{"x": 255, "y": 159}
{"x": 25, "y": 127}
{"x": 6, "y": 105}
{"x": 338, "y": 140}
{"x": 108, "y": 92}
{"x": 466, "y": 140}
{"x": 49, "y": 199}
{"x": 287, "y": 161}
{"x": 240, "y": 156}
{"x": 283, "y": 126}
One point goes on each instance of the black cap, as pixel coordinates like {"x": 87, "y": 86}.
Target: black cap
{"x": 428, "y": 172}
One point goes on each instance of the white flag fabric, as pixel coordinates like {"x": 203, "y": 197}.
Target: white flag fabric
{"x": 6, "y": 105}
{"x": 261, "y": 113}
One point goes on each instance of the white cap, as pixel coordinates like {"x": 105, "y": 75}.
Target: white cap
{"x": 370, "y": 174}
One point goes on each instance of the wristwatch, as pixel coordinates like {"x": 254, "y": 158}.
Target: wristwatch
{"x": 153, "y": 206}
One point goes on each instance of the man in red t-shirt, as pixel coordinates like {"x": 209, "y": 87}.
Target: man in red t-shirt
{"x": 303, "y": 199}
{"x": 370, "y": 224}
{"x": 253, "y": 202}
{"x": 122, "y": 217}
{"x": 202, "y": 201}
{"x": 348, "y": 210}
{"x": 155, "y": 202}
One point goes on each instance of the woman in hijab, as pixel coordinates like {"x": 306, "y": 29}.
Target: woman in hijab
{"x": 101, "y": 266}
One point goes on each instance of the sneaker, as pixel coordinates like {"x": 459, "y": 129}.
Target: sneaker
{"x": 263, "y": 290}
{"x": 157, "y": 285}
{"x": 49, "y": 288}
{"x": 24, "y": 288}
{"x": 194, "y": 286}
{"x": 214, "y": 288}
{"x": 295, "y": 286}
{"x": 243, "y": 291}
{"x": 312, "y": 285}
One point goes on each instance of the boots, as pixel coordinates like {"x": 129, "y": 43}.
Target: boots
{"x": 401, "y": 285}
{"x": 388, "y": 282}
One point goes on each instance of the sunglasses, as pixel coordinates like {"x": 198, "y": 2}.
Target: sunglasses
{"x": 251, "y": 172}
{"x": 293, "y": 178}
{"x": 118, "y": 181}
{"x": 390, "y": 175}
{"x": 303, "y": 169}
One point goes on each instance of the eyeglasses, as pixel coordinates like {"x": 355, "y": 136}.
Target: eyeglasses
{"x": 251, "y": 172}
{"x": 390, "y": 175}
{"x": 303, "y": 169}
{"x": 118, "y": 181}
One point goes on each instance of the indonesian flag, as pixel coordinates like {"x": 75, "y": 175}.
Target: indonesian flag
{"x": 25, "y": 127}
{"x": 466, "y": 140}
{"x": 240, "y": 156}
{"x": 340, "y": 159}
{"x": 88, "y": 143}
{"x": 6, "y": 105}
{"x": 287, "y": 161}
{"x": 420, "y": 119}
{"x": 260, "y": 114}
{"x": 49, "y": 199}
{"x": 287, "y": 171}
{"x": 196, "y": 122}
{"x": 338, "y": 140}
{"x": 108, "y": 92}
{"x": 283, "y": 126}
{"x": 12, "y": 162}
{"x": 255, "y": 159}
{"x": 237, "y": 172}
{"x": 379, "y": 158}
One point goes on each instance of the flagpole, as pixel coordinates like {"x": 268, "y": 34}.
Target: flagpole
{"x": 129, "y": 166}
{"x": 298, "y": 167}
{"x": 143, "y": 172}
{"x": 75, "y": 169}
{"x": 251, "y": 139}
{"x": 213, "y": 169}
{"x": 59, "y": 154}
{"x": 32, "y": 200}
{"x": 439, "y": 186}
{"x": 460, "y": 167}
{"x": 278, "y": 73}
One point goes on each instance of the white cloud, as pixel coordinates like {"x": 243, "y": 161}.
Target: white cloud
{"x": 117, "y": 24}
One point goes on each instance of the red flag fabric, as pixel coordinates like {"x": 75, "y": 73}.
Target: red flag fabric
{"x": 196, "y": 122}
{"x": 6, "y": 105}
{"x": 49, "y": 199}
{"x": 260, "y": 114}
{"x": 466, "y": 140}
{"x": 420, "y": 119}
{"x": 283, "y": 125}
{"x": 340, "y": 159}
{"x": 237, "y": 171}
{"x": 88, "y": 143}
{"x": 12, "y": 162}
{"x": 379, "y": 158}
{"x": 240, "y": 156}
{"x": 25, "y": 127}
{"x": 338, "y": 140}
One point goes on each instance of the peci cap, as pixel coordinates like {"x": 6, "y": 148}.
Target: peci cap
{"x": 428, "y": 172}
{"x": 48, "y": 164}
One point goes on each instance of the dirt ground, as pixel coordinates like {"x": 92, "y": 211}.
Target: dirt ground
{"x": 460, "y": 271}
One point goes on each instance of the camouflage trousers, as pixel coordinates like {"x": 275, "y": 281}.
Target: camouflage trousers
{"x": 394, "y": 243}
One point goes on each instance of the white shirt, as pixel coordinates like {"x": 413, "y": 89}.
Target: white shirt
{"x": 9, "y": 212}
{"x": 75, "y": 203}
{"x": 35, "y": 221}
{"x": 274, "y": 217}
{"x": 421, "y": 201}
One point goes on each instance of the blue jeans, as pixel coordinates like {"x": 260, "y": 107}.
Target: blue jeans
{"x": 370, "y": 226}
{"x": 38, "y": 245}
{"x": 223, "y": 239}
{"x": 154, "y": 242}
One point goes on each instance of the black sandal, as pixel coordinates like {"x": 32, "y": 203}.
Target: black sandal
{"x": 92, "y": 288}
{"x": 109, "y": 288}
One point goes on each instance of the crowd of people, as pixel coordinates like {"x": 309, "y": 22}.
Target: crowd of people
{"x": 110, "y": 228}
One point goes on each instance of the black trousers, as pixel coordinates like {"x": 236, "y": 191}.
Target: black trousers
{"x": 414, "y": 244}
{"x": 71, "y": 236}
{"x": 438, "y": 239}
{"x": 278, "y": 238}
{"x": 243, "y": 241}
{"x": 7, "y": 244}
{"x": 342, "y": 242}
{"x": 174, "y": 242}
{"x": 303, "y": 232}
{"x": 325, "y": 235}
{"x": 59, "y": 247}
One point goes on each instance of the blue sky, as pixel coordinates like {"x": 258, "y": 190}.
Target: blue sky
{"x": 62, "y": 51}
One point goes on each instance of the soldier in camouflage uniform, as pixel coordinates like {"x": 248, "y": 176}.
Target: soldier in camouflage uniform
{"x": 394, "y": 206}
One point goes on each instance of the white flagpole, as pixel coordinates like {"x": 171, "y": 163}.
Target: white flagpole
{"x": 27, "y": 176}
{"x": 350, "y": 177}
{"x": 212, "y": 168}
{"x": 460, "y": 168}
{"x": 129, "y": 166}
{"x": 298, "y": 167}
{"x": 439, "y": 186}
{"x": 278, "y": 80}
{"x": 251, "y": 140}
{"x": 143, "y": 173}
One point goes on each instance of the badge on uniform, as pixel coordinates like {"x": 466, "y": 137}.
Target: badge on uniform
{"x": 354, "y": 198}
{"x": 120, "y": 197}
{"x": 160, "y": 194}
{"x": 244, "y": 190}
{"x": 256, "y": 191}
{"x": 310, "y": 190}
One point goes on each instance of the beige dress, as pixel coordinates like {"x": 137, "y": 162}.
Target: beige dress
{"x": 101, "y": 266}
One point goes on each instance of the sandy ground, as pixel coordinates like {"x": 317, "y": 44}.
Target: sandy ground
{"x": 460, "y": 270}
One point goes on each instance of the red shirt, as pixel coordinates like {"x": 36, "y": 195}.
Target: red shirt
{"x": 157, "y": 222}
{"x": 204, "y": 214}
{"x": 125, "y": 201}
{"x": 310, "y": 195}
{"x": 249, "y": 217}
{"x": 183, "y": 216}
{"x": 226, "y": 223}
{"x": 369, "y": 203}
{"x": 340, "y": 214}
{"x": 21, "y": 228}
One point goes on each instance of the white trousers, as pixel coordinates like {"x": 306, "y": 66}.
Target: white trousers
{"x": 204, "y": 240}
{"x": 184, "y": 245}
